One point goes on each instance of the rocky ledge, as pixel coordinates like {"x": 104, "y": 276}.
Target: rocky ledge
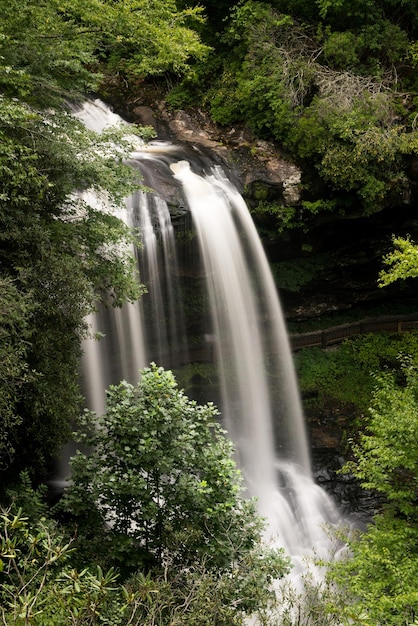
{"x": 252, "y": 160}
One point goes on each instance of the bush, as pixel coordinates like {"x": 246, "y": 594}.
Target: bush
{"x": 162, "y": 492}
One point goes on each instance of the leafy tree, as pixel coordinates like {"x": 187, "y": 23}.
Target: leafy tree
{"x": 142, "y": 38}
{"x": 59, "y": 256}
{"x": 217, "y": 12}
{"x": 380, "y": 576}
{"x": 196, "y": 596}
{"x": 15, "y": 310}
{"x": 376, "y": 583}
{"x": 328, "y": 93}
{"x": 42, "y": 58}
{"x": 161, "y": 479}
{"x": 402, "y": 262}
{"x": 38, "y": 586}
{"x": 56, "y": 48}
{"x": 387, "y": 454}
{"x": 359, "y": 12}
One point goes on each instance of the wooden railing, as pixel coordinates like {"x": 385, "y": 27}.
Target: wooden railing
{"x": 337, "y": 334}
{"x": 205, "y": 352}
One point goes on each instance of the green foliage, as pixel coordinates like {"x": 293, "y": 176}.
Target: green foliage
{"x": 355, "y": 159}
{"x": 325, "y": 89}
{"x": 43, "y": 54}
{"x": 294, "y": 274}
{"x": 376, "y": 582}
{"x": 62, "y": 251}
{"x": 345, "y": 377}
{"x": 161, "y": 491}
{"x": 197, "y": 596}
{"x": 314, "y": 601}
{"x": 387, "y": 454}
{"x": 330, "y": 379}
{"x": 340, "y": 50}
{"x": 50, "y": 49}
{"x": 21, "y": 496}
{"x": 38, "y": 585}
{"x": 380, "y": 576}
{"x": 15, "y": 309}
{"x": 402, "y": 262}
{"x": 150, "y": 38}
{"x": 273, "y": 217}
{"x": 162, "y": 478}
{"x": 60, "y": 254}
{"x": 335, "y": 7}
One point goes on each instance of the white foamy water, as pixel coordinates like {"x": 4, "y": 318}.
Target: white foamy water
{"x": 271, "y": 441}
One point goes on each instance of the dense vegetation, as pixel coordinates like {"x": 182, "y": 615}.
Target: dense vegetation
{"x": 153, "y": 526}
{"x": 59, "y": 255}
{"x": 152, "y": 533}
{"x": 333, "y": 83}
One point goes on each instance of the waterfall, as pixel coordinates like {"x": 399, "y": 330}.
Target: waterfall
{"x": 261, "y": 405}
{"x": 259, "y": 398}
{"x": 158, "y": 266}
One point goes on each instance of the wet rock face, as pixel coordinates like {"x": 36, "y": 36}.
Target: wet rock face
{"x": 327, "y": 433}
{"x": 356, "y": 505}
{"x": 254, "y": 162}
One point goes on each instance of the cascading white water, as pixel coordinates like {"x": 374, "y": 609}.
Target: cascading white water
{"x": 151, "y": 329}
{"x": 237, "y": 339}
{"x": 260, "y": 401}
{"x": 157, "y": 261}
{"x": 150, "y": 264}
{"x": 247, "y": 324}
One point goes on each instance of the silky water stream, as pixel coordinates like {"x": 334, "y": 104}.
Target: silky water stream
{"x": 258, "y": 393}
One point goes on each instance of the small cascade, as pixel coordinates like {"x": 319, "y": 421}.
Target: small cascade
{"x": 97, "y": 116}
{"x": 259, "y": 397}
{"x": 175, "y": 317}
{"x": 237, "y": 339}
{"x": 150, "y": 263}
{"x": 157, "y": 262}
